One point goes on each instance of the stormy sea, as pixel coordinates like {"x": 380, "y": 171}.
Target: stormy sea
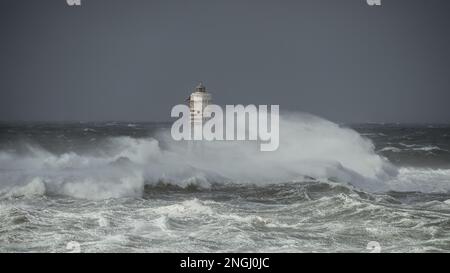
{"x": 128, "y": 187}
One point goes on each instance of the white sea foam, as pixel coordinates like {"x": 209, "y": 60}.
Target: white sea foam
{"x": 391, "y": 149}
{"x": 35, "y": 188}
{"x": 428, "y": 148}
{"x": 421, "y": 180}
{"x": 188, "y": 208}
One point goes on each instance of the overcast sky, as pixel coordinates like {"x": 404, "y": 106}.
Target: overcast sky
{"x": 133, "y": 60}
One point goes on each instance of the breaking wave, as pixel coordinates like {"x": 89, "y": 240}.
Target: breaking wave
{"x": 310, "y": 148}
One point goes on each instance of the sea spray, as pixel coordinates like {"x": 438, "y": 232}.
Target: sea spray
{"x": 309, "y": 147}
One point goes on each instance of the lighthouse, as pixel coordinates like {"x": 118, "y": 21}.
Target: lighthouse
{"x": 198, "y": 100}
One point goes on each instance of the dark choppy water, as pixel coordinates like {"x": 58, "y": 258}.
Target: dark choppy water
{"x": 127, "y": 187}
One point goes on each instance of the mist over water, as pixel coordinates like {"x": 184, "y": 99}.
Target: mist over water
{"x": 130, "y": 187}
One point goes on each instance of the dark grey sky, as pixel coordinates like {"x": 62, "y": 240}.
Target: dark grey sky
{"x": 134, "y": 60}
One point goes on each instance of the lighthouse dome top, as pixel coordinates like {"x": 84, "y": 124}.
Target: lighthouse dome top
{"x": 200, "y": 88}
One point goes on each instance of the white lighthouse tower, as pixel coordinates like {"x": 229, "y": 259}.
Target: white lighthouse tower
{"x": 198, "y": 100}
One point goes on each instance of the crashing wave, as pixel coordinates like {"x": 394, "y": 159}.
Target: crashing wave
{"x": 309, "y": 147}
